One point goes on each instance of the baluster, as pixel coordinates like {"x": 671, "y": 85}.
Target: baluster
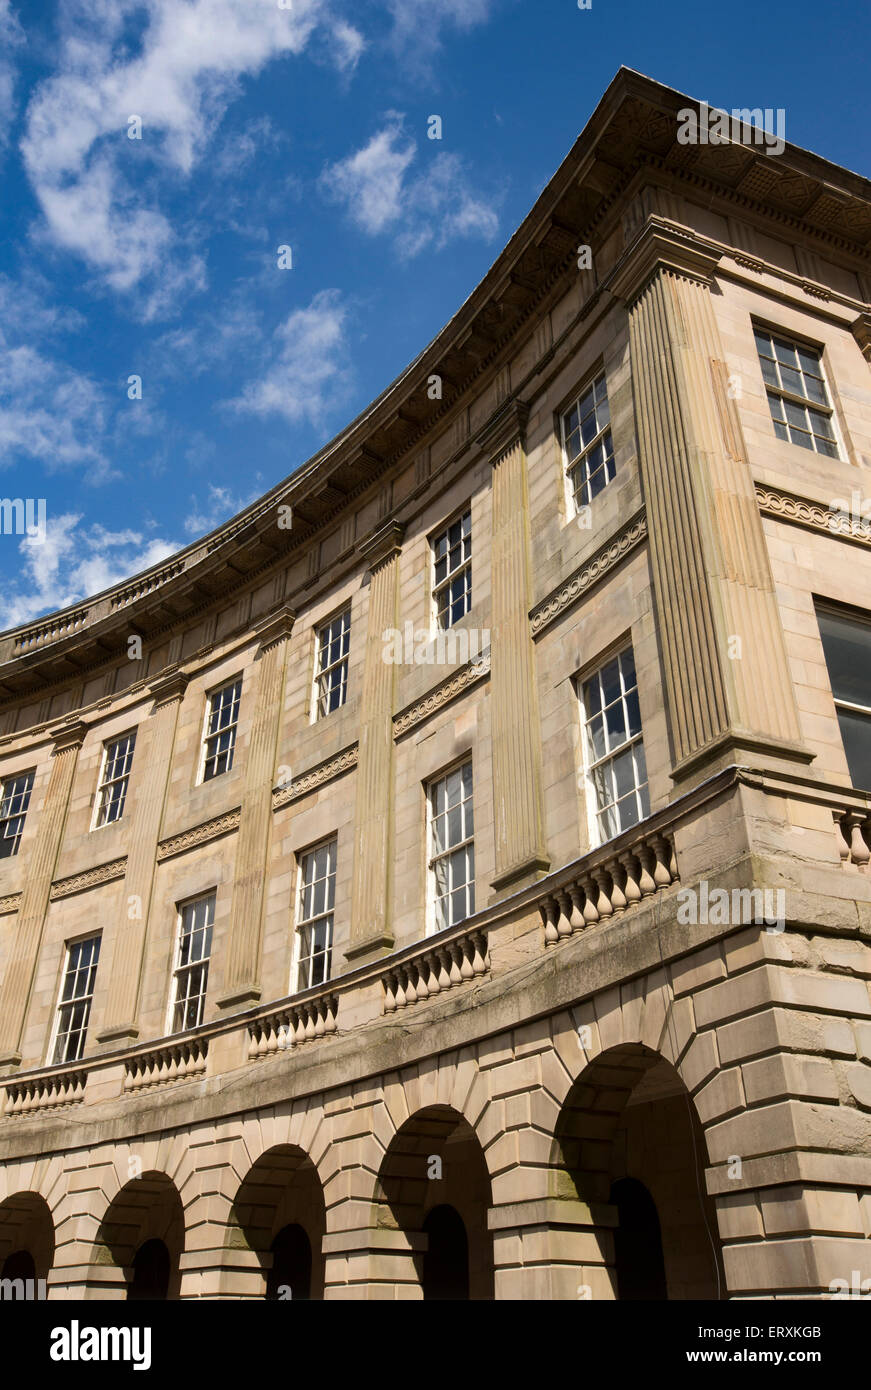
{"x": 400, "y": 992}
{"x": 410, "y": 991}
{"x": 252, "y": 1042}
{"x": 550, "y": 913}
{"x": 332, "y": 1013}
{"x": 389, "y": 995}
{"x": 175, "y": 1059}
{"x": 603, "y": 901}
{"x": 466, "y": 959}
{"x": 576, "y": 920}
{"x": 319, "y": 1019}
{"x": 299, "y": 1031}
{"x": 841, "y": 839}
{"x": 661, "y": 874}
{"x": 432, "y": 974}
{"x": 309, "y": 1030}
{"x": 644, "y": 855}
{"x": 859, "y": 851}
{"x": 444, "y": 959}
{"x": 591, "y": 912}
{"x": 479, "y": 959}
{"x": 423, "y": 990}
{"x": 453, "y": 954}
{"x": 618, "y": 897}
{"x": 631, "y": 890}
{"x": 563, "y": 925}
{"x": 672, "y": 860}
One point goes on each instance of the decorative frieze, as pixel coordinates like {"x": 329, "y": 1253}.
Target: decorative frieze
{"x": 11, "y": 903}
{"x": 199, "y": 834}
{"x": 316, "y": 777}
{"x": 449, "y": 689}
{"x": 89, "y": 878}
{"x": 786, "y": 506}
{"x": 589, "y": 575}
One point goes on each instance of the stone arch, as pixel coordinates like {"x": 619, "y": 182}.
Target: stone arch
{"x": 146, "y": 1210}
{"x": 278, "y": 1213}
{"x": 435, "y": 1160}
{"x": 629, "y": 1115}
{"x": 26, "y": 1229}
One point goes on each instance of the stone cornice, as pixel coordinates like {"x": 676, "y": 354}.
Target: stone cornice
{"x": 588, "y": 575}
{"x": 506, "y": 426}
{"x": 449, "y": 689}
{"x": 276, "y": 627}
{"x": 316, "y": 776}
{"x": 199, "y": 834}
{"x": 802, "y": 511}
{"x": 88, "y": 878}
{"x": 659, "y": 245}
{"x": 169, "y": 685}
{"x": 382, "y": 544}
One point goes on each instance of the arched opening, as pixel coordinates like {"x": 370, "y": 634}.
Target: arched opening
{"x": 630, "y": 1146}
{"x": 638, "y": 1260}
{"x": 446, "y": 1258}
{"x": 143, "y": 1234}
{"x": 151, "y": 1270}
{"x": 434, "y": 1186}
{"x": 279, "y": 1213}
{"x": 26, "y": 1237}
{"x": 291, "y": 1272}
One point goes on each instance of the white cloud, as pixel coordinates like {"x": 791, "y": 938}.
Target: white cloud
{"x": 308, "y": 373}
{"x": 221, "y": 505}
{"x": 11, "y": 37}
{"x": 71, "y": 563}
{"x": 50, "y": 414}
{"x": 418, "y": 24}
{"x": 348, "y": 46}
{"x": 428, "y": 209}
{"x": 179, "y": 81}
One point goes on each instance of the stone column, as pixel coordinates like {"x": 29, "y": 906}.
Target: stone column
{"x": 516, "y": 728}
{"x": 371, "y": 927}
{"x": 245, "y": 936}
{"x": 41, "y": 866}
{"x": 553, "y": 1248}
{"x": 724, "y": 656}
{"x": 154, "y": 755}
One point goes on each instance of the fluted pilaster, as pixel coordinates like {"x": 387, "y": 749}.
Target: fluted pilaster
{"x": 517, "y": 778}
{"x": 245, "y": 936}
{"x": 40, "y": 870}
{"x": 152, "y": 764}
{"x": 371, "y": 928}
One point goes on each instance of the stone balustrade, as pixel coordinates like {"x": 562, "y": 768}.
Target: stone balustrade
{"x": 175, "y": 1062}
{"x": 436, "y": 969}
{"x": 292, "y": 1026}
{"x": 53, "y": 1092}
{"x": 853, "y": 834}
{"x": 610, "y": 883}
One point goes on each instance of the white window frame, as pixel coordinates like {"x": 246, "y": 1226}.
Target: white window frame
{"x": 570, "y": 466}
{"x": 206, "y": 736}
{"x": 103, "y": 785}
{"x": 592, "y": 764}
{"x": 438, "y": 586}
{"x": 85, "y": 998}
{"x": 28, "y": 792}
{"x": 433, "y": 926}
{"x": 345, "y": 660}
{"x": 803, "y": 402}
{"x": 180, "y": 968}
{"x": 302, "y": 922}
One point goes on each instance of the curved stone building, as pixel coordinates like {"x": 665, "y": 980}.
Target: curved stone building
{"x": 450, "y": 878}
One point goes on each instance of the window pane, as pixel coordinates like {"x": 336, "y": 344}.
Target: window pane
{"x": 856, "y": 733}
{"x": 847, "y": 647}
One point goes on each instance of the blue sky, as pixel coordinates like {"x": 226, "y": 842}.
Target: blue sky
{"x": 300, "y": 123}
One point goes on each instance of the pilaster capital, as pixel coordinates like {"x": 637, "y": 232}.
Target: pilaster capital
{"x": 505, "y": 428}
{"x": 275, "y": 627}
{"x": 661, "y": 245}
{"x": 168, "y": 686}
{"x": 861, "y": 331}
{"x": 382, "y": 543}
{"x": 71, "y": 735}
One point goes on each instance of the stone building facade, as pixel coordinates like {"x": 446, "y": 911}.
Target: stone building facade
{"x": 531, "y": 961}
